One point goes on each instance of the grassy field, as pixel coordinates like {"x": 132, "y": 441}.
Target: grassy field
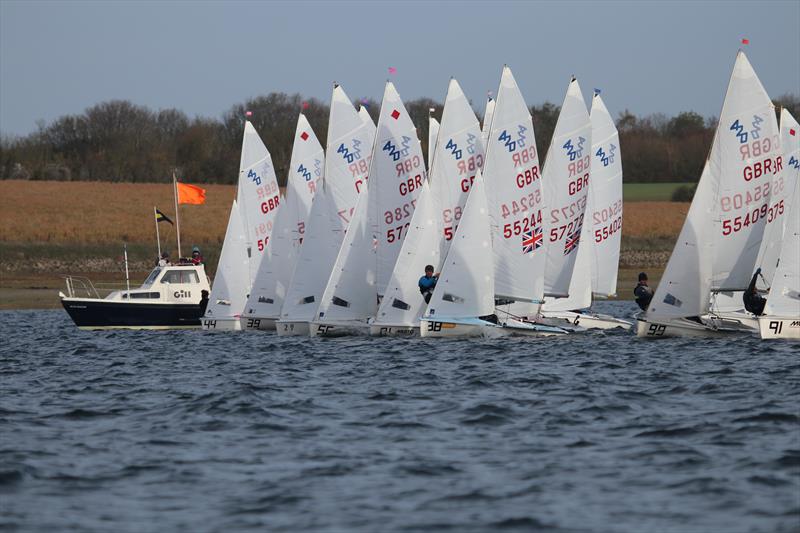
{"x": 52, "y": 229}
{"x": 649, "y": 192}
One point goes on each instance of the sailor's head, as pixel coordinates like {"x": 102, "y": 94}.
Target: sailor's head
{"x": 642, "y": 276}
{"x": 164, "y": 255}
{"x": 195, "y": 251}
{"x": 429, "y": 270}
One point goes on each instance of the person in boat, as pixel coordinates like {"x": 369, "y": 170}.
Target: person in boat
{"x": 197, "y": 257}
{"x": 643, "y": 292}
{"x": 753, "y": 301}
{"x": 427, "y": 283}
{"x": 164, "y": 259}
{"x": 203, "y": 302}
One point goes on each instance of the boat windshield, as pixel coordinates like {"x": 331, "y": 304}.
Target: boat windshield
{"x": 152, "y": 277}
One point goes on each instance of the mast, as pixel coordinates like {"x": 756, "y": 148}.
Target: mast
{"x": 177, "y": 216}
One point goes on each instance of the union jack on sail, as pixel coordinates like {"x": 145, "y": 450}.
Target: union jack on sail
{"x": 572, "y": 239}
{"x": 532, "y": 240}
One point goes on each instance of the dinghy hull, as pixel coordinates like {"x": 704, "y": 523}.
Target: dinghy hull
{"x": 682, "y": 328}
{"x": 584, "y": 320}
{"x": 771, "y": 327}
{"x": 258, "y": 323}
{"x": 475, "y": 327}
{"x": 222, "y": 324}
{"x": 396, "y": 330}
{"x": 338, "y": 329}
{"x": 289, "y": 328}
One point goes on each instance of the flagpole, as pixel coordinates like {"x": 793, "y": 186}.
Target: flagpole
{"x": 158, "y": 235}
{"x": 177, "y": 216}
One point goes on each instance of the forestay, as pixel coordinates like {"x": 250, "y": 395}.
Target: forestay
{"x": 566, "y": 184}
{"x": 514, "y": 193}
{"x": 466, "y": 284}
{"x": 604, "y": 203}
{"x": 280, "y": 256}
{"x": 229, "y": 292}
{"x": 781, "y": 196}
{"x": 258, "y": 197}
{"x": 348, "y": 153}
{"x": 784, "y": 294}
{"x": 745, "y": 156}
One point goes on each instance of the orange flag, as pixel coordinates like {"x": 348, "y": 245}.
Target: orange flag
{"x": 190, "y": 194}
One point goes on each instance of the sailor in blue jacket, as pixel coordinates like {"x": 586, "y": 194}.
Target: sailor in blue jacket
{"x": 427, "y": 283}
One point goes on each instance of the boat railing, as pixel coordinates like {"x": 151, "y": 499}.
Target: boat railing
{"x": 80, "y": 287}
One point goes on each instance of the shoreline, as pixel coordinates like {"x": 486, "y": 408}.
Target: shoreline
{"x": 40, "y": 291}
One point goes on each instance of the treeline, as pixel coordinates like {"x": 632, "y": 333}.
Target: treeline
{"x": 121, "y": 141}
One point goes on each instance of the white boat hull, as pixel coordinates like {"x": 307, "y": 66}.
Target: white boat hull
{"x": 221, "y": 324}
{"x": 289, "y": 328}
{"x": 677, "y": 328}
{"x": 446, "y": 328}
{"x": 396, "y": 330}
{"x": 258, "y": 323}
{"x": 741, "y": 320}
{"x": 338, "y": 329}
{"x": 481, "y": 328}
{"x": 570, "y": 319}
{"x": 771, "y": 327}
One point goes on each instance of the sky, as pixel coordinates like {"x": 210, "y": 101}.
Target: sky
{"x": 59, "y": 58}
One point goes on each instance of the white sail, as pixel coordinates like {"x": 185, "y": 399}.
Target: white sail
{"x": 566, "y": 185}
{"x": 781, "y": 196}
{"x": 514, "y": 191}
{"x": 372, "y": 244}
{"x": 488, "y": 112}
{"x": 350, "y": 292}
{"x": 402, "y": 304}
{"x": 367, "y": 119}
{"x": 744, "y": 158}
{"x": 784, "y": 294}
{"x": 457, "y": 158}
{"x": 466, "y": 285}
{"x": 347, "y": 160}
{"x": 685, "y": 286}
{"x": 280, "y": 256}
{"x": 580, "y": 286}
{"x": 604, "y": 202}
{"x": 258, "y": 197}
{"x": 229, "y": 292}
{"x": 433, "y": 134}
{"x": 396, "y": 178}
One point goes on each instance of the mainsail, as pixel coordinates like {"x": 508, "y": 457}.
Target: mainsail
{"x": 745, "y": 155}
{"x": 783, "y": 183}
{"x": 457, "y": 158}
{"x": 382, "y": 218}
{"x": 566, "y": 185}
{"x": 514, "y": 191}
{"x": 280, "y": 256}
{"x": 258, "y": 197}
{"x": 347, "y": 159}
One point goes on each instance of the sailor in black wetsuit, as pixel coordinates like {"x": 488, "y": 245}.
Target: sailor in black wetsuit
{"x": 643, "y": 292}
{"x": 753, "y": 301}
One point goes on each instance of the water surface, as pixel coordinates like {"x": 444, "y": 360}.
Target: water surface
{"x": 199, "y": 431}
